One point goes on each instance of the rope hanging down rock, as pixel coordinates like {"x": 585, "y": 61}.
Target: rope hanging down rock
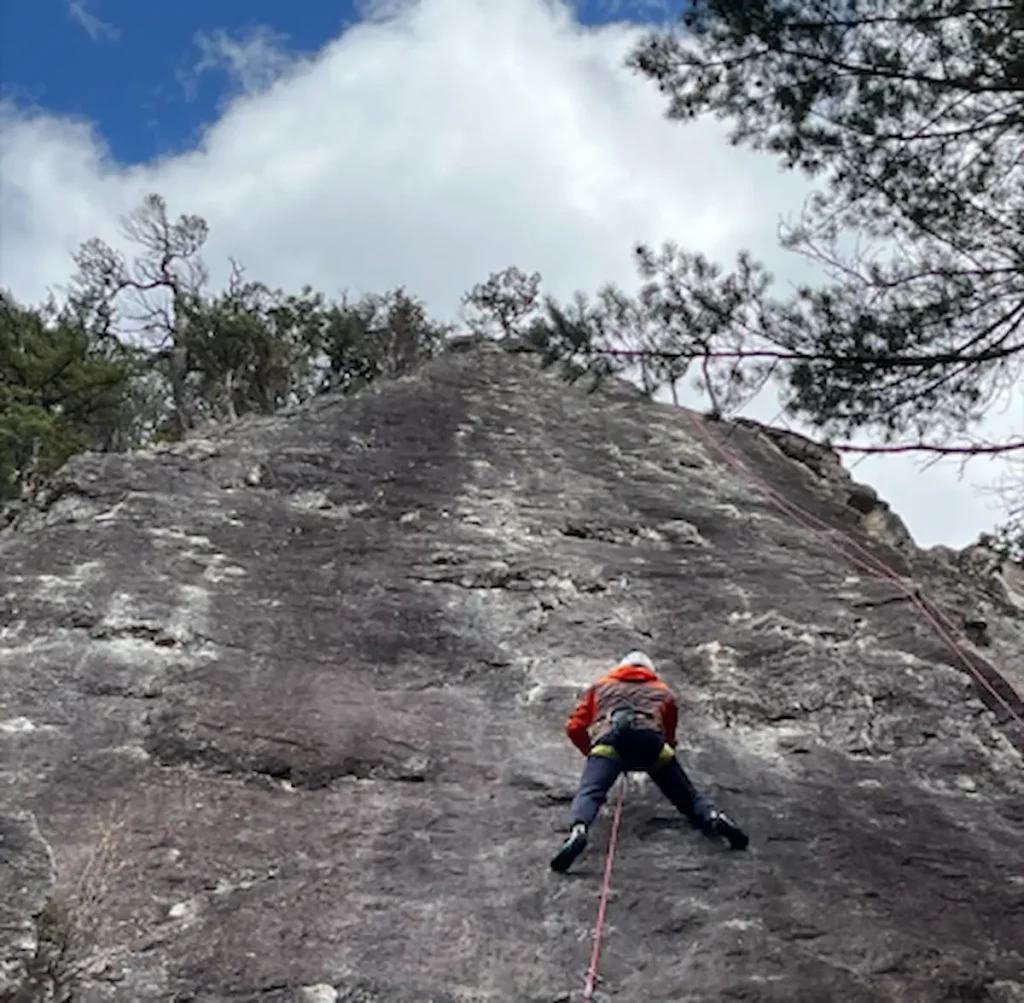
{"x": 991, "y": 681}
{"x": 588, "y": 989}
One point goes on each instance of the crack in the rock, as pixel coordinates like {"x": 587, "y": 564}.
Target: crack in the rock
{"x": 159, "y": 636}
{"x": 263, "y": 994}
{"x": 887, "y": 601}
{"x": 623, "y": 535}
{"x": 509, "y": 579}
{"x": 175, "y": 750}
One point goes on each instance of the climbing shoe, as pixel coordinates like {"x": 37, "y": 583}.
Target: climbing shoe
{"x": 571, "y": 848}
{"x": 721, "y": 825}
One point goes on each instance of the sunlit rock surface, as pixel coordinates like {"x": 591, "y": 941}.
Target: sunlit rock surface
{"x": 286, "y": 704}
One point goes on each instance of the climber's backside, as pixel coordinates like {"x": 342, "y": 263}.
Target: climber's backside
{"x": 627, "y": 720}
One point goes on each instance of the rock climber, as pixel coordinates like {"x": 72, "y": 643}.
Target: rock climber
{"x": 627, "y": 720}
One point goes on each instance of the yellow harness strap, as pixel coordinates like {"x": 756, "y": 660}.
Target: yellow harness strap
{"x": 603, "y": 749}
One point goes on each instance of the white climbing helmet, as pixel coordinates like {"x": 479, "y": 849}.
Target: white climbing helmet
{"x": 639, "y": 658}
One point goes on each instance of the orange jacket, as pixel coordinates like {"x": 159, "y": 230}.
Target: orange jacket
{"x": 635, "y": 685}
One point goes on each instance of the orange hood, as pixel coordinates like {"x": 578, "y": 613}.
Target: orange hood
{"x": 633, "y": 674}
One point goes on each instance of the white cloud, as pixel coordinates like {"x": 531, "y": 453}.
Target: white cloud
{"x": 78, "y": 10}
{"x": 253, "y": 60}
{"x": 433, "y": 143}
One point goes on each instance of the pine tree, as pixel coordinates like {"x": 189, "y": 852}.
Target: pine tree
{"x": 62, "y": 389}
{"x": 909, "y": 116}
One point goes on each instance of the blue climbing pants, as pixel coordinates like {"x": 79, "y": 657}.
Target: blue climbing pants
{"x": 633, "y": 750}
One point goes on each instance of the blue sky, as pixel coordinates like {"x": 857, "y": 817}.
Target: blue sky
{"x": 136, "y": 68}
{"x": 451, "y": 139}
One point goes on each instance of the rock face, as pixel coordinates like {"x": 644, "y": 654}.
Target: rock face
{"x": 26, "y": 877}
{"x": 287, "y": 706}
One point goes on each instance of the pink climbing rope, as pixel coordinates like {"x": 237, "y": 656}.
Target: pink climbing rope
{"x": 588, "y": 990}
{"x": 868, "y": 562}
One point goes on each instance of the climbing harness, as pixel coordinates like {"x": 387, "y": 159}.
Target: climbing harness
{"x": 588, "y": 989}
